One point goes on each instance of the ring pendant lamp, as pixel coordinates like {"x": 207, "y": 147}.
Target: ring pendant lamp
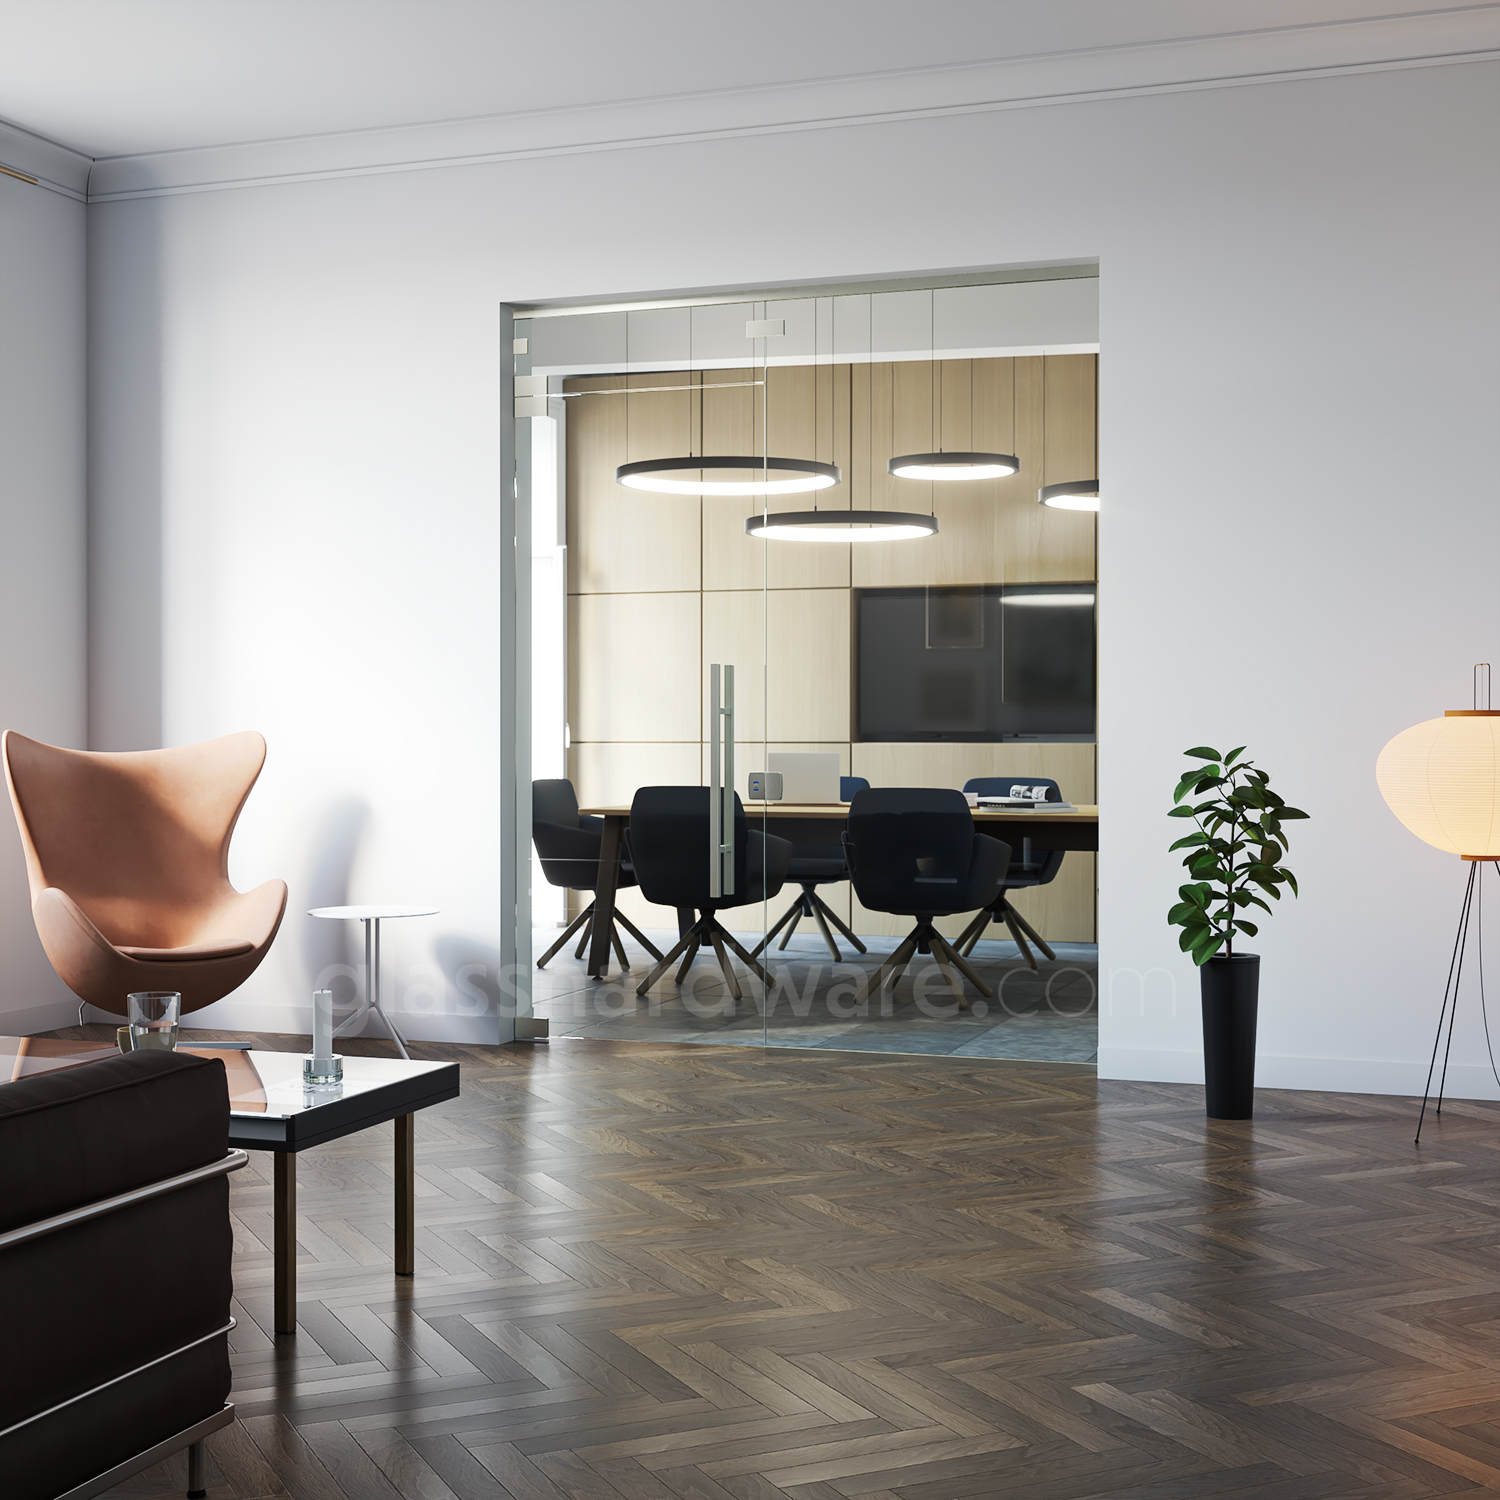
{"x": 1076, "y": 494}
{"x": 685, "y": 476}
{"x": 946, "y": 467}
{"x": 844, "y": 525}
{"x": 1079, "y": 494}
{"x": 660, "y": 475}
{"x": 841, "y": 526}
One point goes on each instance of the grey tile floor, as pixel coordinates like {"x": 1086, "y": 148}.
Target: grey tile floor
{"x": 1047, "y": 1016}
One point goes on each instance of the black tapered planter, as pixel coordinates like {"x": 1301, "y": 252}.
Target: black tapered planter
{"x": 1231, "y": 994}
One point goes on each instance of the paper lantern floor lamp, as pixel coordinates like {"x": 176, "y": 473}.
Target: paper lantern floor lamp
{"x": 1441, "y": 778}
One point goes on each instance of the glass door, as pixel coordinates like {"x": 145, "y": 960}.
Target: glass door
{"x": 646, "y": 660}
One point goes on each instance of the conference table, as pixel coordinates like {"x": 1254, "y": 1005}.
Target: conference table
{"x": 814, "y": 823}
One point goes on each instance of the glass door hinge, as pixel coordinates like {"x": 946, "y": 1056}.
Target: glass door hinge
{"x": 531, "y": 396}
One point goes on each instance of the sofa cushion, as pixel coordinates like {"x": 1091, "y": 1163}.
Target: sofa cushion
{"x": 73, "y": 1137}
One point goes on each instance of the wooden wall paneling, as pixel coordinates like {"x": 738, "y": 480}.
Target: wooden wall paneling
{"x": 1034, "y": 543}
{"x": 734, "y": 623}
{"x": 808, "y": 681}
{"x": 622, "y": 540}
{"x": 803, "y": 634}
{"x": 633, "y": 666}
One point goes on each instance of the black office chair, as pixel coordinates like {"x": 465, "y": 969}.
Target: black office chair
{"x": 568, "y": 845}
{"x": 913, "y": 852}
{"x": 814, "y": 865}
{"x": 1022, "y": 874}
{"x": 668, "y": 841}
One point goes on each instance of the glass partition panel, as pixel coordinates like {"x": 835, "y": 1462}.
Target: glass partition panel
{"x": 756, "y": 580}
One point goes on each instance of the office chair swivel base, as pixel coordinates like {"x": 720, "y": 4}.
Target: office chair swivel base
{"x": 809, "y": 904}
{"x": 585, "y": 920}
{"x": 707, "y": 932}
{"x": 1017, "y": 925}
{"x": 926, "y": 939}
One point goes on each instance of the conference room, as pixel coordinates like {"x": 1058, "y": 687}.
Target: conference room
{"x": 813, "y": 598}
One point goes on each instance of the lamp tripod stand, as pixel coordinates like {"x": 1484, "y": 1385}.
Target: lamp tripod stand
{"x": 1473, "y": 902}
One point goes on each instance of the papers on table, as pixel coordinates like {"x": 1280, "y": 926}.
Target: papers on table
{"x": 1026, "y": 804}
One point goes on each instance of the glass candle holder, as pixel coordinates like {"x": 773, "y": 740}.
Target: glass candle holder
{"x": 153, "y": 1019}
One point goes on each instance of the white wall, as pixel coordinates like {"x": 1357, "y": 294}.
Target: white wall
{"x": 42, "y": 561}
{"x": 1298, "y": 379}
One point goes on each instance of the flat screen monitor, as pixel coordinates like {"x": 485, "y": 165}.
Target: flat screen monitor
{"x": 988, "y": 663}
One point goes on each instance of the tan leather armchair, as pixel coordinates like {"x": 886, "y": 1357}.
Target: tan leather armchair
{"x": 128, "y": 859}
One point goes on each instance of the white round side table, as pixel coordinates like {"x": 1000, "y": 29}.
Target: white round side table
{"x": 372, "y": 916}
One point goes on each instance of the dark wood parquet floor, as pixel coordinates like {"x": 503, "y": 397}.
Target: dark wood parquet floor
{"x": 650, "y": 1270}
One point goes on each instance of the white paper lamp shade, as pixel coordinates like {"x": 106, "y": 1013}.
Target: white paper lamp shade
{"x": 1442, "y": 779}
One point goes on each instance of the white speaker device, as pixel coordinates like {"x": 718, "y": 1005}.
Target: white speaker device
{"x": 807, "y": 776}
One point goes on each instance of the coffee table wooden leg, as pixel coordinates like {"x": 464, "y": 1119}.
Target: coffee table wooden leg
{"x": 406, "y": 1195}
{"x": 284, "y": 1251}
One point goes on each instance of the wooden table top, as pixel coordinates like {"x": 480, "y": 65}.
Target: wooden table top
{"x": 1081, "y": 813}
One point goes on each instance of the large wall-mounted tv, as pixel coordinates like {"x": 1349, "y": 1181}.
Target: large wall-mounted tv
{"x": 1011, "y": 661}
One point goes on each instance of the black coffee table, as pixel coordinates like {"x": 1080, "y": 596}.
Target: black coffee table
{"x": 270, "y": 1109}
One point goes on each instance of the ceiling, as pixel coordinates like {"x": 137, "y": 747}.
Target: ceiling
{"x": 112, "y": 78}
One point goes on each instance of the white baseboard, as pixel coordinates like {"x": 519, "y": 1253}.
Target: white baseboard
{"x": 1328, "y": 1075}
{"x": 231, "y": 1014}
{"x": 35, "y": 1018}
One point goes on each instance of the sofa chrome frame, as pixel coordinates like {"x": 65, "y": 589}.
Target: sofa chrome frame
{"x": 230, "y": 1162}
{"x": 190, "y": 1438}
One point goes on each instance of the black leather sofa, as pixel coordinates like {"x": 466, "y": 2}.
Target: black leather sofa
{"x": 115, "y": 1248}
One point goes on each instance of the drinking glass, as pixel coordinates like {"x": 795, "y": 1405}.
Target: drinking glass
{"x": 153, "y": 1018}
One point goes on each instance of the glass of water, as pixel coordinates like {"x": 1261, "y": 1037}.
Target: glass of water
{"x": 153, "y": 1018}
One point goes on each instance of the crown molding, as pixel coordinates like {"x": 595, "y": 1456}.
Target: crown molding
{"x": 55, "y": 167}
{"x": 1461, "y": 34}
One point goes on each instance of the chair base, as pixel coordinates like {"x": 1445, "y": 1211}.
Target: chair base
{"x": 925, "y": 938}
{"x": 707, "y": 932}
{"x": 809, "y": 904}
{"x": 585, "y": 920}
{"x": 1017, "y": 924}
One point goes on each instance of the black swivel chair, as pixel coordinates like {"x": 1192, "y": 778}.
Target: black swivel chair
{"x": 1022, "y": 874}
{"x": 568, "y": 845}
{"x": 668, "y": 841}
{"x": 812, "y": 866}
{"x": 913, "y": 852}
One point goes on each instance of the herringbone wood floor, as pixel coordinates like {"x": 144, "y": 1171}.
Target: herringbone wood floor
{"x": 651, "y": 1270}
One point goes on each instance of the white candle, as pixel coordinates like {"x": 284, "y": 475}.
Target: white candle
{"x": 322, "y": 1026}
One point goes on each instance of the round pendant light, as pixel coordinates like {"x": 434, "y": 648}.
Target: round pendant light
{"x": 841, "y": 526}
{"x": 948, "y": 466}
{"x": 1080, "y": 494}
{"x": 763, "y": 476}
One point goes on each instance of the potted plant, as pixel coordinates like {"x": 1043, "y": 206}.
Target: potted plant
{"x": 1234, "y": 858}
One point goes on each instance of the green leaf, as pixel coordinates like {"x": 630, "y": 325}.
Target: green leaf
{"x": 1233, "y": 756}
{"x": 1180, "y": 812}
{"x": 1291, "y": 880}
{"x": 1189, "y": 939}
{"x": 1181, "y": 913}
{"x": 1191, "y": 841}
{"x": 1205, "y": 951}
{"x": 1202, "y": 752}
{"x": 1247, "y": 927}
